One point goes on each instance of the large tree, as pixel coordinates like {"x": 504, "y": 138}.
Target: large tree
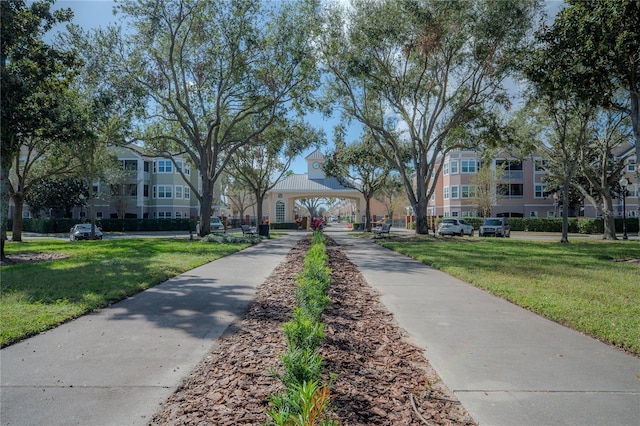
{"x": 599, "y": 41}
{"x": 361, "y": 166}
{"x": 266, "y": 161}
{"x": 33, "y": 76}
{"x": 421, "y": 74}
{"x": 212, "y": 70}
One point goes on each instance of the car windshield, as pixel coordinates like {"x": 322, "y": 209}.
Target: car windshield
{"x": 84, "y": 227}
{"x": 494, "y": 222}
{"x": 215, "y": 220}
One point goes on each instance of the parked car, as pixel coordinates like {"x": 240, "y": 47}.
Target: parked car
{"x": 82, "y": 231}
{"x": 495, "y": 226}
{"x": 215, "y": 224}
{"x": 455, "y": 227}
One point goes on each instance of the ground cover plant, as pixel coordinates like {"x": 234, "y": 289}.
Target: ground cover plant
{"x": 591, "y": 286}
{"x": 305, "y": 399}
{"x": 84, "y": 276}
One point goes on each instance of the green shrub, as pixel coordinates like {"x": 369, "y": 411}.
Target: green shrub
{"x": 303, "y": 331}
{"x": 301, "y": 365}
{"x": 230, "y": 238}
{"x": 284, "y": 225}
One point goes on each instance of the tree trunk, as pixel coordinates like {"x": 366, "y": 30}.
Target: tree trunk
{"x": 608, "y": 219}
{"x": 565, "y": 213}
{"x": 18, "y": 201}
{"x": 259, "y": 202}
{"x": 367, "y": 214}
{"x": 205, "y": 207}
{"x": 422, "y": 222}
{"x": 5, "y": 167}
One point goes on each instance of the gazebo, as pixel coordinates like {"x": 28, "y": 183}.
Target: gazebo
{"x": 281, "y": 200}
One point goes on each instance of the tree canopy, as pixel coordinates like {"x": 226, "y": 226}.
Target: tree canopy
{"x": 420, "y": 75}
{"x": 217, "y": 74}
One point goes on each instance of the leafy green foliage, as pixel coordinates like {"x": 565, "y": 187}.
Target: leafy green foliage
{"x": 423, "y": 76}
{"x": 304, "y": 401}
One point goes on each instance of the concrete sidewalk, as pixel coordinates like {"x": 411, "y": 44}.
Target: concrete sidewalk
{"x": 115, "y": 367}
{"x": 507, "y": 365}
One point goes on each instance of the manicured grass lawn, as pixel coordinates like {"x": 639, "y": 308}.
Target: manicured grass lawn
{"x": 576, "y": 284}
{"x": 36, "y": 297}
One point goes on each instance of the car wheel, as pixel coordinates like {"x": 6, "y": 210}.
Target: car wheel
{"x": 471, "y": 233}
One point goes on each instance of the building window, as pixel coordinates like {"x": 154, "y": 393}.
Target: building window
{"x": 510, "y": 190}
{"x": 512, "y": 169}
{"x": 539, "y": 190}
{"x": 631, "y": 165}
{"x": 178, "y": 166}
{"x": 99, "y": 215}
{"x": 162, "y": 191}
{"x": 447, "y": 214}
{"x": 146, "y": 166}
{"x": 164, "y": 166}
{"x": 178, "y": 215}
{"x": 468, "y": 191}
{"x": 186, "y": 193}
{"x": 445, "y": 170}
{"x": 130, "y": 165}
{"x": 533, "y": 213}
{"x": 446, "y": 193}
{"x": 146, "y": 191}
{"x": 454, "y": 191}
{"x": 164, "y": 215}
{"x": 454, "y": 214}
{"x": 540, "y": 165}
{"x": 178, "y": 192}
{"x": 469, "y": 166}
{"x": 551, "y": 214}
{"x": 454, "y": 168}
{"x": 280, "y": 211}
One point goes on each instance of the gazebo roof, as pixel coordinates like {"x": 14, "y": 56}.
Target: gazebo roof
{"x": 302, "y": 183}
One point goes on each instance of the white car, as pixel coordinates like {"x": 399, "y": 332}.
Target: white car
{"x": 82, "y": 231}
{"x": 455, "y": 227}
{"x": 215, "y": 224}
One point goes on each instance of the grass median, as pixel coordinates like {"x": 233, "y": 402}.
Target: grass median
{"x": 37, "y": 296}
{"x": 586, "y": 285}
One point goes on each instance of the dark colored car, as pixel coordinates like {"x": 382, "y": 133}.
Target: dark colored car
{"x": 82, "y": 231}
{"x": 495, "y": 227}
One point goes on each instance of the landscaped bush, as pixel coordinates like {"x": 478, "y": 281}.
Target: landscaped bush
{"x": 284, "y": 225}
{"x": 230, "y": 238}
{"x": 47, "y": 226}
{"x": 304, "y": 401}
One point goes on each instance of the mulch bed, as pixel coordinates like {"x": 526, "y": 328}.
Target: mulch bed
{"x": 380, "y": 377}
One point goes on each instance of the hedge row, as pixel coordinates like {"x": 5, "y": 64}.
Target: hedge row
{"x": 48, "y": 226}
{"x": 576, "y": 225}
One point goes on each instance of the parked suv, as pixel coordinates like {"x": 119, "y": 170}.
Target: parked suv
{"x": 455, "y": 227}
{"x": 495, "y": 226}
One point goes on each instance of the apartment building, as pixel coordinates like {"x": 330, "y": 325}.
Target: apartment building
{"x": 518, "y": 189}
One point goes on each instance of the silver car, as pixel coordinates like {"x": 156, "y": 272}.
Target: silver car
{"x": 82, "y": 231}
{"x": 215, "y": 224}
{"x": 495, "y": 226}
{"x": 455, "y": 227}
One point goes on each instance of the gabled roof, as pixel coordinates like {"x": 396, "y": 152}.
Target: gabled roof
{"x": 302, "y": 183}
{"x": 315, "y": 155}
